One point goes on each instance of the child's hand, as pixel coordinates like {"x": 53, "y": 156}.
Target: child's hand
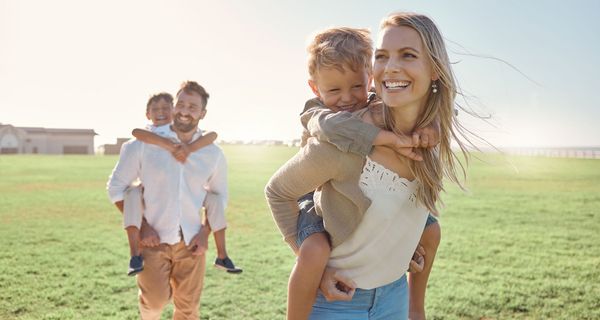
{"x": 429, "y": 136}
{"x": 405, "y": 146}
{"x": 336, "y": 287}
{"x": 181, "y": 152}
{"x": 148, "y": 236}
{"x": 418, "y": 260}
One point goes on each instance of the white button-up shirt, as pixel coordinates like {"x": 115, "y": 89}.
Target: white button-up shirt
{"x": 173, "y": 192}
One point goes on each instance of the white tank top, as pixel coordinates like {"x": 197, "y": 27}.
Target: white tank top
{"x": 380, "y": 249}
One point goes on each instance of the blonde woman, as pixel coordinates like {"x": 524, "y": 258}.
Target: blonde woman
{"x": 391, "y": 197}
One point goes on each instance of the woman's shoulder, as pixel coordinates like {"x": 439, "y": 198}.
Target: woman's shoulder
{"x": 326, "y": 151}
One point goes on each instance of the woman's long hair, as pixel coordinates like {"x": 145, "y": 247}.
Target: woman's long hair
{"x": 441, "y": 161}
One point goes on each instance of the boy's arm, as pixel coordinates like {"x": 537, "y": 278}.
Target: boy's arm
{"x": 182, "y": 151}
{"x": 349, "y": 133}
{"x": 152, "y": 138}
{"x": 342, "y": 129}
{"x": 203, "y": 141}
{"x": 429, "y": 136}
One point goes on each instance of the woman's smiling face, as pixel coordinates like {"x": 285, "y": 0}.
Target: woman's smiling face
{"x": 402, "y": 70}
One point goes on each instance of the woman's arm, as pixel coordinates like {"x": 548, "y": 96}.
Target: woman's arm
{"x": 417, "y": 282}
{"x": 312, "y": 166}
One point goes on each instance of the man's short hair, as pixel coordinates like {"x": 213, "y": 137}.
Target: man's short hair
{"x": 340, "y": 47}
{"x": 157, "y": 97}
{"x": 190, "y": 87}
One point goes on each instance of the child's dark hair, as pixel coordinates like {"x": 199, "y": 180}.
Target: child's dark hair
{"x": 157, "y": 97}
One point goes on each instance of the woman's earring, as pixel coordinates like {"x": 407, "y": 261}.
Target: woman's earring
{"x": 434, "y": 87}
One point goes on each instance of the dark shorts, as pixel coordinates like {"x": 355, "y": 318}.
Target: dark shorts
{"x": 430, "y": 220}
{"x": 309, "y": 222}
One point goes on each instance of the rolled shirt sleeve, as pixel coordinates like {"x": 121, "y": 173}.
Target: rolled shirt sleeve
{"x": 343, "y": 129}
{"x": 126, "y": 171}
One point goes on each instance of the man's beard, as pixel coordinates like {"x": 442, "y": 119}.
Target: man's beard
{"x": 185, "y": 127}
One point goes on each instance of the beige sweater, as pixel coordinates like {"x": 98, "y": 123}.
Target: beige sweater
{"x": 338, "y": 199}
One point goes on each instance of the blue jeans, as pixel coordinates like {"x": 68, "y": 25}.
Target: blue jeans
{"x": 308, "y": 220}
{"x": 388, "y": 302}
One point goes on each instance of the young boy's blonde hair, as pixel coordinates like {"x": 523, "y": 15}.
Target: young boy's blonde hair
{"x": 338, "y": 48}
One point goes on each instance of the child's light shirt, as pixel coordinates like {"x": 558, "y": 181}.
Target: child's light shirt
{"x": 163, "y": 131}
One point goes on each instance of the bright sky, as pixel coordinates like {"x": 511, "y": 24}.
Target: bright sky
{"x": 93, "y": 64}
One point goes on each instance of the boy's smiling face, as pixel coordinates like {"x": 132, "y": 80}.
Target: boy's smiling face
{"x": 341, "y": 91}
{"x": 160, "y": 112}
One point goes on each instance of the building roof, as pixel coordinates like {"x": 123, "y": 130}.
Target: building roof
{"x": 56, "y": 131}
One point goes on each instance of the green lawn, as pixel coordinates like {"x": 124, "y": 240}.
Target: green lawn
{"x": 523, "y": 242}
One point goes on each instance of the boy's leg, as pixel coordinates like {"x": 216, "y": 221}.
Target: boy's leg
{"x": 220, "y": 243}
{"x": 133, "y": 236}
{"x": 417, "y": 282}
{"x": 215, "y": 214}
{"x": 133, "y": 209}
{"x": 306, "y": 275}
{"x": 311, "y": 262}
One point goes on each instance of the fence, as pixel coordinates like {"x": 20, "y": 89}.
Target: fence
{"x": 582, "y": 153}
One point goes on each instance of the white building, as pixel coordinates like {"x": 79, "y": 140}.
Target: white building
{"x": 45, "y": 140}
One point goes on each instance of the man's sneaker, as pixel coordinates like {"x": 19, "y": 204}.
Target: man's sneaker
{"x": 227, "y": 265}
{"x": 136, "y": 265}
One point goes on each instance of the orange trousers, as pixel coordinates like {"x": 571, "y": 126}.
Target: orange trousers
{"x": 171, "y": 271}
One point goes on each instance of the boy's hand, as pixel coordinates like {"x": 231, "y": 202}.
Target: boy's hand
{"x": 418, "y": 260}
{"x": 148, "y": 236}
{"x": 181, "y": 152}
{"x": 405, "y": 146}
{"x": 429, "y": 136}
{"x": 336, "y": 287}
{"x": 199, "y": 243}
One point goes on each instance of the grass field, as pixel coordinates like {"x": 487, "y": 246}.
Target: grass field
{"x": 523, "y": 243}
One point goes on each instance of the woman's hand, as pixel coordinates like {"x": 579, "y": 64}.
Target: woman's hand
{"x": 336, "y": 287}
{"x": 417, "y": 263}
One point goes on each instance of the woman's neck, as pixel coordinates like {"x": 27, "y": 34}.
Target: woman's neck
{"x": 405, "y": 118}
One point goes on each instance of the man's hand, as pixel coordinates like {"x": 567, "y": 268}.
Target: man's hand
{"x": 405, "y": 146}
{"x": 429, "y": 136}
{"x": 148, "y": 236}
{"x": 418, "y": 260}
{"x": 336, "y": 287}
{"x": 181, "y": 152}
{"x": 199, "y": 243}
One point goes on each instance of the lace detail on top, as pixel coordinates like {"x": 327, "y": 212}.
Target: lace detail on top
{"x": 376, "y": 177}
